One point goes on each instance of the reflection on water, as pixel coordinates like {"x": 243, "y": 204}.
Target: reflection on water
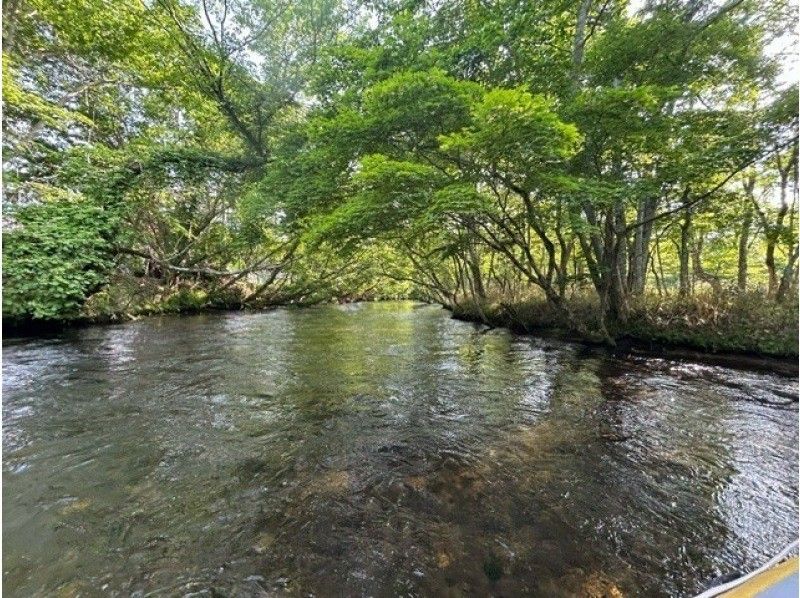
{"x": 381, "y": 450}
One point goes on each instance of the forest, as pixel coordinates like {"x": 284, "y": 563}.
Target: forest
{"x": 609, "y": 169}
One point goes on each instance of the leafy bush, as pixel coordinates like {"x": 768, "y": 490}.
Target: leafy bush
{"x": 56, "y": 255}
{"x": 185, "y": 300}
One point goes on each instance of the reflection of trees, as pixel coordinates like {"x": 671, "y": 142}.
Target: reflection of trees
{"x": 622, "y": 489}
{"x": 650, "y": 470}
{"x": 376, "y": 482}
{"x": 336, "y": 356}
{"x": 347, "y": 452}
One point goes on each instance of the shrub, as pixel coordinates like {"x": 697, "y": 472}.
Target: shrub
{"x": 185, "y": 300}
{"x": 56, "y": 255}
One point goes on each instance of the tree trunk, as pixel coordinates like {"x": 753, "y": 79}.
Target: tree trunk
{"x": 787, "y": 278}
{"x": 773, "y": 232}
{"x": 699, "y": 272}
{"x": 579, "y": 41}
{"x": 474, "y": 265}
{"x": 656, "y": 277}
{"x": 683, "y": 253}
{"x": 744, "y": 239}
{"x": 769, "y": 262}
{"x": 619, "y": 289}
{"x": 640, "y": 253}
{"x": 744, "y": 234}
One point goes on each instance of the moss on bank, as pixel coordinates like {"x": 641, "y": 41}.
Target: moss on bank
{"x": 739, "y": 323}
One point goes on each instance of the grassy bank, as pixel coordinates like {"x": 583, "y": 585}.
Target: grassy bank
{"x": 737, "y": 323}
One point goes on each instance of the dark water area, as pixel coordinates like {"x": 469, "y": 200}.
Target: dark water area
{"x": 381, "y": 450}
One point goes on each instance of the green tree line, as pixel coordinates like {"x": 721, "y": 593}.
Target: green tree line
{"x": 602, "y": 166}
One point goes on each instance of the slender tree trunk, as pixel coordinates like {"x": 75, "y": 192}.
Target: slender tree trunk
{"x": 744, "y": 239}
{"x": 661, "y": 266}
{"x": 619, "y": 287}
{"x": 579, "y": 41}
{"x": 699, "y": 272}
{"x": 565, "y": 253}
{"x": 655, "y": 274}
{"x": 640, "y": 253}
{"x": 683, "y": 254}
{"x": 769, "y": 262}
{"x": 476, "y": 275}
{"x": 782, "y": 293}
{"x": 744, "y": 234}
{"x": 621, "y": 247}
{"x": 773, "y": 232}
{"x": 563, "y": 271}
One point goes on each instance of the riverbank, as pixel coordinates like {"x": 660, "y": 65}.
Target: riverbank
{"x": 736, "y": 331}
{"x": 743, "y": 329}
{"x": 128, "y": 298}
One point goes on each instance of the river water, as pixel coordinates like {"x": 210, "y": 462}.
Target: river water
{"x": 381, "y": 450}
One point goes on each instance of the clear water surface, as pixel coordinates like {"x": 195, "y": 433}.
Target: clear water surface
{"x": 381, "y": 450}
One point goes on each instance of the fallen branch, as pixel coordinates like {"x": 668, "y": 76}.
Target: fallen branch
{"x": 257, "y": 267}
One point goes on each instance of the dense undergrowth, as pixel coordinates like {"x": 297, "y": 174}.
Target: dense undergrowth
{"x": 733, "y": 322}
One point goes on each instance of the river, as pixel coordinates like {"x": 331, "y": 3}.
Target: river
{"x": 381, "y": 450}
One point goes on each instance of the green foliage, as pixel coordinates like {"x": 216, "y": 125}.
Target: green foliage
{"x": 458, "y": 199}
{"x": 413, "y": 108}
{"x": 185, "y": 300}
{"x": 388, "y": 195}
{"x": 19, "y": 102}
{"x": 55, "y": 257}
{"x": 517, "y": 134}
{"x": 478, "y": 154}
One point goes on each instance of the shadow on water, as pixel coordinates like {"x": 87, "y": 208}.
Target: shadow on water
{"x": 381, "y": 450}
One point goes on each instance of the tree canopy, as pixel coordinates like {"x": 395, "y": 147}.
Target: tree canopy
{"x": 253, "y": 152}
